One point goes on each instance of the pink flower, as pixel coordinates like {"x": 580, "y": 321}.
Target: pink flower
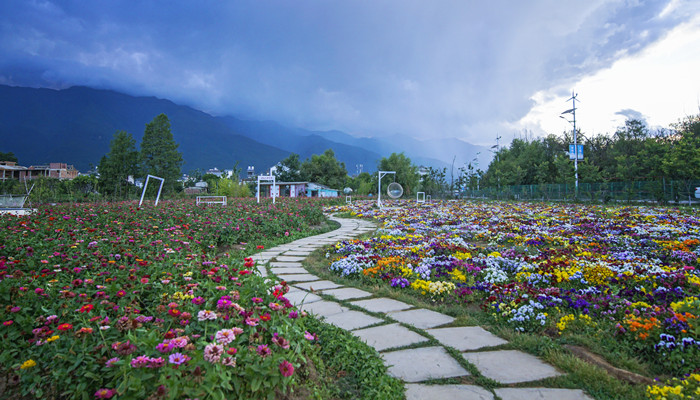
{"x": 251, "y": 321}
{"x": 156, "y": 362}
{"x": 110, "y": 363}
{"x": 206, "y": 315}
{"x": 229, "y": 361}
{"x": 309, "y": 336}
{"x": 140, "y": 362}
{"x": 213, "y": 352}
{"x": 286, "y": 368}
{"x": 225, "y": 336}
{"x": 105, "y": 393}
{"x": 280, "y": 341}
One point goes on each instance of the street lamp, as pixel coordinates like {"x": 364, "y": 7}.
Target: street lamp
{"x": 380, "y": 174}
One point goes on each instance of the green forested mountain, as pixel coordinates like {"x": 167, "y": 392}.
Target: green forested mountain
{"x": 75, "y": 126}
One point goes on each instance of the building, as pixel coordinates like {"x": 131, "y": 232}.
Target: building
{"x": 297, "y": 189}
{"x": 215, "y": 171}
{"x": 63, "y": 171}
{"x": 9, "y": 170}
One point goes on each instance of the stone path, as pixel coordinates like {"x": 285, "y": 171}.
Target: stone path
{"x": 401, "y": 332}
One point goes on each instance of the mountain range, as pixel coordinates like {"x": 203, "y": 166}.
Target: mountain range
{"x": 76, "y": 125}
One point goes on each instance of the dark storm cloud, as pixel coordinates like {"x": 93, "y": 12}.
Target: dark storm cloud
{"x": 444, "y": 68}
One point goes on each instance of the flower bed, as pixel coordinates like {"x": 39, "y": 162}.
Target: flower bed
{"x": 111, "y": 301}
{"x": 625, "y": 272}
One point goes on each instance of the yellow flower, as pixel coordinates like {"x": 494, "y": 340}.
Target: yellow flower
{"x": 28, "y": 364}
{"x": 52, "y": 338}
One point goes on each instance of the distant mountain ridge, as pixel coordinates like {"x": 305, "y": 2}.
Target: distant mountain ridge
{"x": 76, "y": 125}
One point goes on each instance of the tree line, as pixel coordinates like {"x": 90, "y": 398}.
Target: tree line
{"x": 632, "y": 153}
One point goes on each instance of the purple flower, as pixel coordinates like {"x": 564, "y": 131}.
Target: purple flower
{"x": 178, "y": 358}
{"x": 263, "y": 350}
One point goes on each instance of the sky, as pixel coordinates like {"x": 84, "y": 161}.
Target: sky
{"x": 472, "y": 70}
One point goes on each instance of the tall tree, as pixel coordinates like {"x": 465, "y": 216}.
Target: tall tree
{"x": 116, "y": 166}
{"x": 406, "y": 173}
{"x": 289, "y": 169}
{"x": 325, "y": 169}
{"x": 159, "y": 155}
{"x": 682, "y": 161}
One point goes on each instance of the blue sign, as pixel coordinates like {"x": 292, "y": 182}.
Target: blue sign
{"x": 572, "y": 151}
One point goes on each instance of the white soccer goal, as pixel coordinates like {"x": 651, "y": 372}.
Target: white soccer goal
{"x": 348, "y": 200}
{"x": 212, "y": 200}
{"x": 145, "y": 186}
{"x": 420, "y": 197}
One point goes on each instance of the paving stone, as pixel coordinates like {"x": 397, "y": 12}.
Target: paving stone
{"x": 285, "y": 264}
{"x": 541, "y": 394}
{"x": 300, "y": 278}
{"x": 465, "y": 338}
{"x": 324, "y": 308}
{"x": 268, "y": 253}
{"x": 318, "y": 285}
{"x": 290, "y": 258}
{"x": 300, "y": 297}
{"x": 416, "y": 365}
{"x": 421, "y": 318}
{"x": 416, "y": 391}
{"x": 511, "y": 366}
{"x": 262, "y": 270}
{"x": 389, "y": 336}
{"x": 352, "y": 319}
{"x": 288, "y": 270}
{"x": 382, "y": 305}
{"x": 347, "y": 293}
{"x": 297, "y": 253}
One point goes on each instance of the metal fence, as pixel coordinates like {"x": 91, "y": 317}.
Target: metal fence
{"x": 662, "y": 191}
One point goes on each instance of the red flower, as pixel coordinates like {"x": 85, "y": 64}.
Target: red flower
{"x": 86, "y": 308}
{"x": 65, "y": 327}
{"x": 174, "y": 312}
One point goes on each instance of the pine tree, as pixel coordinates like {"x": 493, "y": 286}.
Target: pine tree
{"x": 159, "y": 155}
{"x": 116, "y": 166}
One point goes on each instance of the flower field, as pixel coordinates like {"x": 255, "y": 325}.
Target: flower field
{"x": 111, "y": 301}
{"x": 628, "y": 273}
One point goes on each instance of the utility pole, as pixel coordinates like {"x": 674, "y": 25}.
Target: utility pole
{"x": 573, "y": 112}
{"x": 452, "y": 175}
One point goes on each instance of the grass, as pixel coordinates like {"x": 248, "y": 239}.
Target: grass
{"x": 352, "y": 369}
{"x": 579, "y": 374}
